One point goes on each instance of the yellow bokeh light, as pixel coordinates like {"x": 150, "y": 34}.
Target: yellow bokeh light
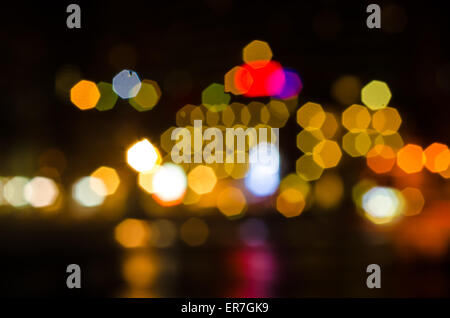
{"x": 279, "y": 113}
{"x": 386, "y": 121}
{"x": 132, "y": 233}
{"x": 109, "y": 177}
{"x": 258, "y": 53}
{"x": 356, "y": 118}
{"x": 307, "y": 168}
{"x": 414, "y": 201}
{"x": 329, "y": 190}
{"x": 294, "y": 181}
{"x": 376, "y": 95}
{"x": 308, "y": 139}
{"x": 147, "y": 97}
{"x": 327, "y": 154}
{"x": 395, "y": 141}
{"x": 85, "y": 95}
{"x": 290, "y": 202}
{"x": 143, "y": 156}
{"x": 330, "y": 126}
{"x": 202, "y": 179}
{"x": 231, "y": 202}
{"x": 194, "y": 232}
{"x": 311, "y": 116}
{"x": 356, "y": 144}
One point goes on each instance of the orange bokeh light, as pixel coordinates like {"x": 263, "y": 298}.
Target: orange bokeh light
{"x": 437, "y": 157}
{"x": 381, "y": 159}
{"x": 85, "y": 95}
{"x": 411, "y": 158}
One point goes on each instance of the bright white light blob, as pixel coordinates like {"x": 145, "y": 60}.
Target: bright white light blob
{"x": 89, "y": 191}
{"x": 263, "y": 176}
{"x": 265, "y": 158}
{"x": 41, "y": 192}
{"x": 13, "y": 191}
{"x": 382, "y": 204}
{"x": 143, "y": 156}
{"x": 169, "y": 182}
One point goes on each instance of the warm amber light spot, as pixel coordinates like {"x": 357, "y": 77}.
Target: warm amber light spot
{"x": 437, "y": 157}
{"x": 257, "y": 52}
{"x": 231, "y": 202}
{"x": 414, "y": 201}
{"x": 381, "y": 159}
{"x": 327, "y": 154}
{"x": 411, "y": 158}
{"x": 290, "y": 202}
{"x": 85, "y": 95}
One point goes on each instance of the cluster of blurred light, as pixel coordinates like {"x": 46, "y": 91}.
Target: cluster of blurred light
{"x": 260, "y": 76}
{"x": 169, "y": 184}
{"x": 143, "y": 156}
{"x": 273, "y": 114}
{"x": 89, "y": 191}
{"x": 142, "y": 95}
{"x": 382, "y": 204}
{"x": 263, "y": 176}
{"x": 320, "y": 152}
